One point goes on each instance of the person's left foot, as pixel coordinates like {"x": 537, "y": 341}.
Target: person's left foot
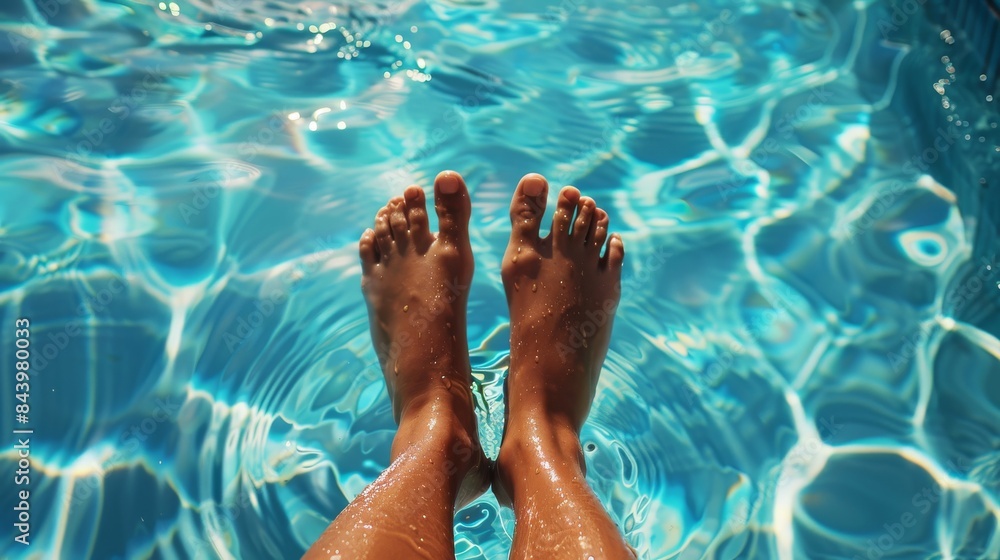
{"x": 416, "y": 285}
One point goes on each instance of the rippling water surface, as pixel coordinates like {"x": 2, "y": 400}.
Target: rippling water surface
{"x": 806, "y": 363}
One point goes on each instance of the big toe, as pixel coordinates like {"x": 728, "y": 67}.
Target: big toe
{"x": 527, "y": 207}
{"x": 451, "y": 200}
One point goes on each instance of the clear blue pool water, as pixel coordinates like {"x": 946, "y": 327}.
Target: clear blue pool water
{"x": 805, "y": 364}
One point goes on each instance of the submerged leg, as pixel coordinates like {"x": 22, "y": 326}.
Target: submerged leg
{"x": 562, "y": 295}
{"x": 416, "y": 286}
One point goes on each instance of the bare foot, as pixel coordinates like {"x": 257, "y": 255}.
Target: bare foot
{"x": 563, "y": 294}
{"x": 416, "y": 285}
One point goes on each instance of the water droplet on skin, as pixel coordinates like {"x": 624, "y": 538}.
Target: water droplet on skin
{"x": 395, "y": 368}
{"x": 518, "y": 249}
{"x": 514, "y": 259}
{"x": 516, "y": 287}
{"x": 536, "y": 359}
{"x": 406, "y": 309}
{"x": 534, "y": 287}
{"x": 447, "y": 382}
{"x": 537, "y": 470}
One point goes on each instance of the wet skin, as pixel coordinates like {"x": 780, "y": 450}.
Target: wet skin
{"x": 562, "y": 293}
{"x": 416, "y": 284}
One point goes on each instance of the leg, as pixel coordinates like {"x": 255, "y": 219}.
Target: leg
{"x": 562, "y": 295}
{"x": 416, "y": 285}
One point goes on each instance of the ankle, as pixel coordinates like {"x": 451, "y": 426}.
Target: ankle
{"x": 536, "y": 443}
{"x": 527, "y": 451}
{"x": 442, "y": 427}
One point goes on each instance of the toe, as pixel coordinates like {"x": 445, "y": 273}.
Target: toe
{"x": 569, "y": 197}
{"x": 397, "y": 223}
{"x": 615, "y": 253}
{"x": 600, "y": 230}
{"x": 416, "y": 214}
{"x": 528, "y": 207}
{"x": 369, "y": 251}
{"x": 451, "y": 200}
{"x": 383, "y": 234}
{"x": 584, "y": 220}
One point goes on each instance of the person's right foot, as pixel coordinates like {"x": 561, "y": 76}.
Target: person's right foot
{"x": 562, "y": 294}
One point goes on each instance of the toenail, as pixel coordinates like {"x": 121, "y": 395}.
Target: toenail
{"x": 449, "y": 182}
{"x": 534, "y": 185}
